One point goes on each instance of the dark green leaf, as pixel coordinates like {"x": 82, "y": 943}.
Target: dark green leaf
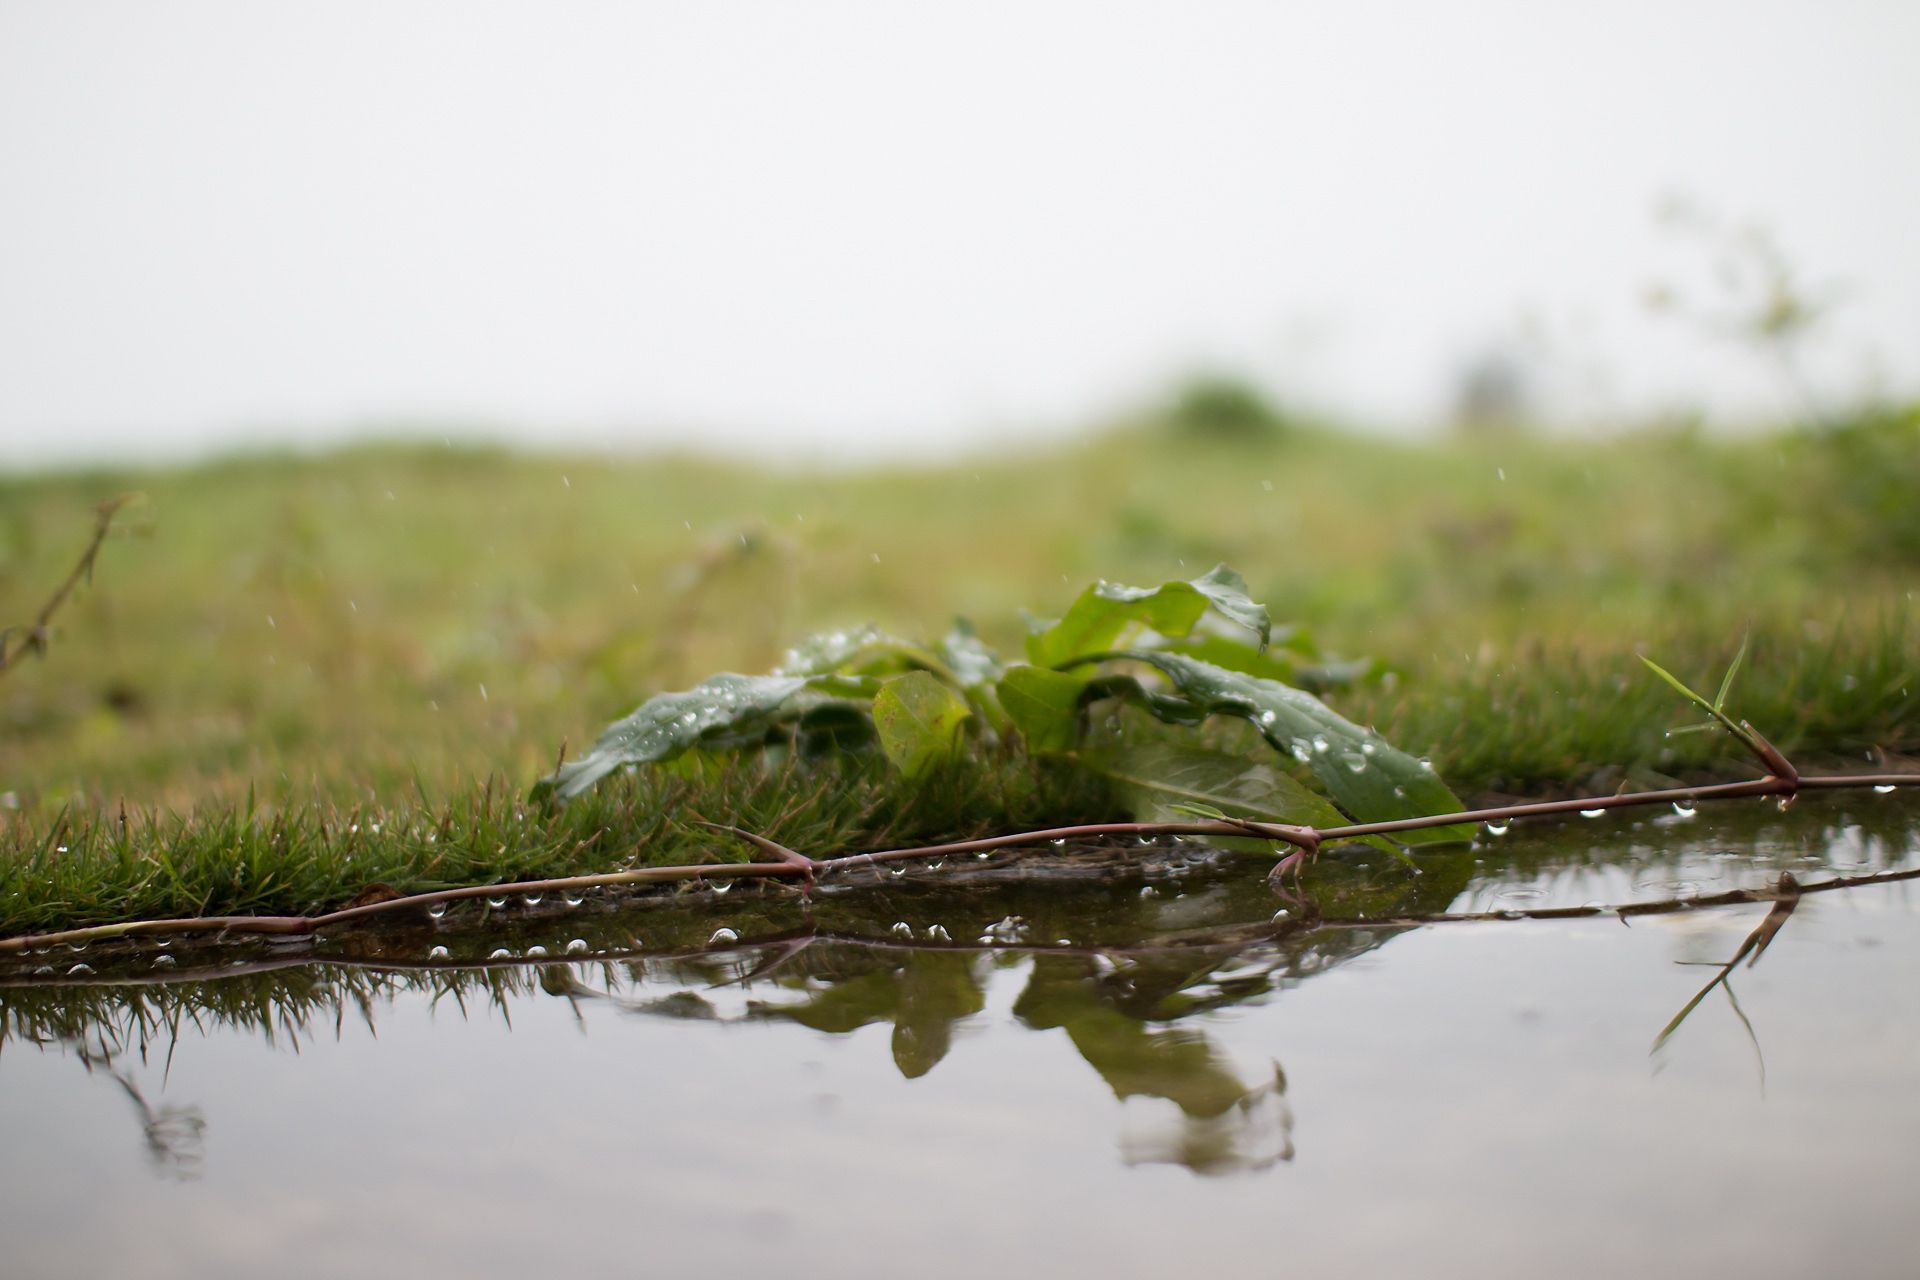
{"x": 1165, "y": 781}
{"x": 715, "y": 710}
{"x": 919, "y": 719}
{"x": 1106, "y": 610}
{"x": 1367, "y": 777}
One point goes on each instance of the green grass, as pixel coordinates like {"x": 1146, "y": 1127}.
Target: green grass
{"x": 296, "y": 645}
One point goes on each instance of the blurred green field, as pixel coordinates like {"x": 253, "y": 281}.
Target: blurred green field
{"x": 363, "y": 625}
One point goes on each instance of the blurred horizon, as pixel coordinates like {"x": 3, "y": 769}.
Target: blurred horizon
{"x": 856, "y": 231}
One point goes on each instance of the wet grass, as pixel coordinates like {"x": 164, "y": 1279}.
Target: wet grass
{"x": 295, "y": 676}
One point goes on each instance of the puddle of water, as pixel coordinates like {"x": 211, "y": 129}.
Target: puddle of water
{"x": 1063, "y": 1077}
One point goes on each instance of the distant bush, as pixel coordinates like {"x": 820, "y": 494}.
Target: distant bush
{"x": 1225, "y": 408}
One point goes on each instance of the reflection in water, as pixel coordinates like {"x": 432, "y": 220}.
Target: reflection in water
{"x": 1751, "y": 949}
{"x": 1137, "y": 1000}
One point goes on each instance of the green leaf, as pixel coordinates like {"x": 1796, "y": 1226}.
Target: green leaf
{"x": 1166, "y": 781}
{"x": 1044, "y": 705}
{"x": 1106, "y": 610}
{"x": 720, "y": 709}
{"x": 1733, "y": 669}
{"x": 919, "y": 719}
{"x": 1370, "y": 779}
{"x": 1713, "y": 709}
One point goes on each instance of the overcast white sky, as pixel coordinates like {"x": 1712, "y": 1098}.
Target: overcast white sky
{"x": 907, "y": 226}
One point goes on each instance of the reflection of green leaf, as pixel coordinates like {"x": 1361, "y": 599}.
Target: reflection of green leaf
{"x": 1044, "y": 706}
{"x": 923, "y": 997}
{"x": 1106, "y": 610}
{"x": 1366, "y": 776}
{"x": 1178, "y": 1065}
{"x": 919, "y": 720}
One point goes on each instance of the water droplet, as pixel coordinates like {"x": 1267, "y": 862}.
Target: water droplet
{"x": 80, "y": 970}
{"x": 938, "y": 933}
{"x": 496, "y": 903}
{"x": 163, "y": 961}
{"x": 573, "y": 900}
{"x": 500, "y": 953}
{"x": 1300, "y": 749}
{"x": 1355, "y": 761}
{"x": 723, "y": 886}
{"x": 722, "y": 935}
{"x": 536, "y": 952}
{"x": 578, "y": 947}
{"x": 983, "y": 855}
{"x": 1320, "y": 743}
{"x": 1058, "y": 843}
{"x": 1591, "y": 813}
{"x": 1499, "y": 828}
{"x": 902, "y": 929}
{"x": 1268, "y": 717}
{"x": 896, "y": 871}
{"x": 1886, "y": 789}
{"x": 1148, "y": 891}
{"x": 1282, "y": 916}
{"x": 438, "y": 953}
{"x": 533, "y": 899}
{"x": 1684, "y": 809}
{"x": 936, "y": 864}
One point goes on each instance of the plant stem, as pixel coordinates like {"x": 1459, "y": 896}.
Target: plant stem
{"x": 799, "y": 866}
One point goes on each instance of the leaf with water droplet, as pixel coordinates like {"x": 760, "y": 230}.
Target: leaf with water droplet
{"x": 1164, "y": 781}
{"x": 1393, "y": 785}
{"x": 1106, "y": 610}
{"x": 723, "y": 710}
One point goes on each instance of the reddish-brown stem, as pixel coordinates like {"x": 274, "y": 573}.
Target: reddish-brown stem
{"x": 1306, "y": 840}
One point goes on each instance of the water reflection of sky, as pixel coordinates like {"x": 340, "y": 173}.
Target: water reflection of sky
{"x": 1471, "y": 1098}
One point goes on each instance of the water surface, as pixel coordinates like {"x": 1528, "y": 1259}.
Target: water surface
{"x": 1071, "y": 1077}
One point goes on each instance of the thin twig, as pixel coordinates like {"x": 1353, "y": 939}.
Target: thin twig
{"x": 796, "y": 865}
{"x": 41, "y": 628}
{"x": 791, "y": 941}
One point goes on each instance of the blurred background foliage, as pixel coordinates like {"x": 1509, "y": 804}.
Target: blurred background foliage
{"x": 356, "y": 625}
